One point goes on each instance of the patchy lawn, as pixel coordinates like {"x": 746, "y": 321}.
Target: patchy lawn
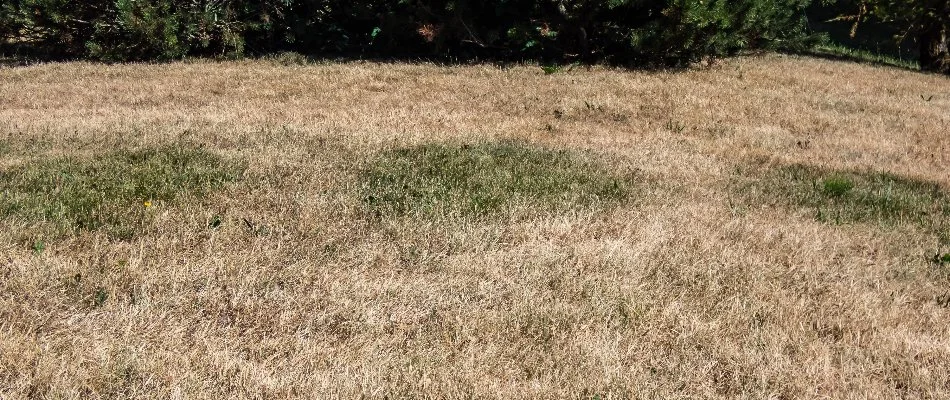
{"x": 761, "y": 227}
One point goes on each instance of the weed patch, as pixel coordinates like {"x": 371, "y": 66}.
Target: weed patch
{"x": 940, "y": 259}
{"x": 113, "y": 193}
{"x": 857, "y": 197}
{"x": 487, "y": 179}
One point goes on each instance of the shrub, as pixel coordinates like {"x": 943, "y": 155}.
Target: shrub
{"x": 139, "y": 29}
{"x": 927, "y": 21}
{"x": 654, "y": 32}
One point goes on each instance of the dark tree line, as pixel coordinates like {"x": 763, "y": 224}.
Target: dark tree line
{"x": 923, "y": 23}
{"x": 640, "y": 31}
{"x": 636, "y": 32}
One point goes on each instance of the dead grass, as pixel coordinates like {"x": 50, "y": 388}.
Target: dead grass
{"x": 283, "y": 285}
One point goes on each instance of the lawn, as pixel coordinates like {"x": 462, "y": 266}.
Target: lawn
{"x": 760, "y": 227}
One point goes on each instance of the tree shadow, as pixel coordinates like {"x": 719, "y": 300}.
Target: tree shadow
{"x": 858, "y": 57}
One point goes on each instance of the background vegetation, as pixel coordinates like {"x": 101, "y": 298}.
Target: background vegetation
{"x": 918, "y": 29}
{"x": 660, "y": 32}
{"x": 637, "y": 32}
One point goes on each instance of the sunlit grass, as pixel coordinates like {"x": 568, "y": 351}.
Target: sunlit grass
{"x": 113, "y": 193}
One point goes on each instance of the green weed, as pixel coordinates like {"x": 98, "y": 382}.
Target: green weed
{"x": 837, "y": 186}
{"x": 99, "y": 297}
{"x": 675, "y": 126}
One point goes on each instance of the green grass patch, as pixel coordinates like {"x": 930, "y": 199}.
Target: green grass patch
{"x": 837, "y": 186}
{"x": 859, "y": 55}
{"x": 438, "y": 180}
{"x": 858, "y": 197}
{"x": 115, "y": 193}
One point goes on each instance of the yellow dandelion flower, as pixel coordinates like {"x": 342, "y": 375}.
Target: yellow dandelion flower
{"x": 147, "y": 203}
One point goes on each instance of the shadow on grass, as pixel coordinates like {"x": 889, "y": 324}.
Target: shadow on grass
{"x": 845, "y": 196}
{"x": 843, "y": 53}
{"x": 488, "y": 180}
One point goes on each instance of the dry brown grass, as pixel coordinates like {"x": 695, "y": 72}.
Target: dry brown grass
{"x": 687, "y": 292}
